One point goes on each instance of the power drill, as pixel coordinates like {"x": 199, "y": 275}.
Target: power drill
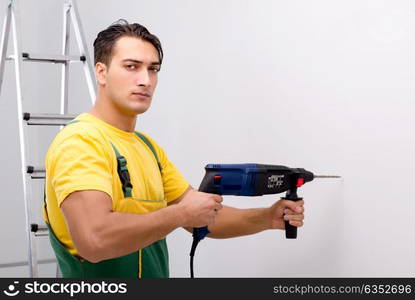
{"x": 252, "y": 180}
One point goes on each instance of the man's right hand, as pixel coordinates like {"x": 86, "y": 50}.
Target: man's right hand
{"x": 199, "y": 209}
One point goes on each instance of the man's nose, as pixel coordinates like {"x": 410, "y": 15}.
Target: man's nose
{"x": 143, "y": 78}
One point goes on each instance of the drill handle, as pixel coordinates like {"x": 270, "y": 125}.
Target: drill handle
{"x": 291, "y": 231}
{"x": 200, "y": 232}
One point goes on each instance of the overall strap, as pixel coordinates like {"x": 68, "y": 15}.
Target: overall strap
{"x": 123, "y": 173}
{"x": 147, "y": 142}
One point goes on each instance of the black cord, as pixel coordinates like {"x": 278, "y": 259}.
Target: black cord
{"x": 192, "y": 254}
{"x": 199, "y": 234}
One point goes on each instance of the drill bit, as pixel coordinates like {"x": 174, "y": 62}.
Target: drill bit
{"x": 327, "y": 176}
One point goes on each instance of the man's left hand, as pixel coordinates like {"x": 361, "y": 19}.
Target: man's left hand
{"x": 286, "y": 210}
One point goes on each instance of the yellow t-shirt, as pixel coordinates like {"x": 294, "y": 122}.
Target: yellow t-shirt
{"x": 81, "y": 158}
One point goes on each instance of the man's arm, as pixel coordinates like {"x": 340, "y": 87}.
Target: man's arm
{"x": 233, "y": 222}
{"x": 100, "y": 233}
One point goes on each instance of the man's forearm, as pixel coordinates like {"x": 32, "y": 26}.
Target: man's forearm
{"x": 124, "y": 233}
{"x": 233, "y": 222}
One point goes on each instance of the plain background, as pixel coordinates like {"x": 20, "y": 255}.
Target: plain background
{"x": 326, "y": 85}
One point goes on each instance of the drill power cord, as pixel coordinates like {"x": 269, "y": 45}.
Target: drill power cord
{"x": 192, "y": 255}
{"x": 198, "y": 235}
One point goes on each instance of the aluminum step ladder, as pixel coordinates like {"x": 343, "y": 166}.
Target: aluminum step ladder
{"x": 28, "y": 172}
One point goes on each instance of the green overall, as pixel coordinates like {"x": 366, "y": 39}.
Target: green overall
{"x": 151, "y": 261}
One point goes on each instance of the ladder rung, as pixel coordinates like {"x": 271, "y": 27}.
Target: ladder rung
{"x": 41, "y": 233}
{"x": 37, "y": 227}
{"x": 25, "y": 263}
{"x": 51, "y": 58}
{"x": 47, "y": 119}
{"x": 39, "y": 230}
{"x": 37, "y": 172}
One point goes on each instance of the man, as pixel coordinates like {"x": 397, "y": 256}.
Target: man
{"x": 112, "y": 195}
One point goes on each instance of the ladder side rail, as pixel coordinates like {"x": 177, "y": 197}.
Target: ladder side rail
{"x": 64, "y": 105}
{"x": 65, "y": 66}
{"x": 80, "y": 38}
{"x": 27, "y": 189}
{"x": 4, "y": 42}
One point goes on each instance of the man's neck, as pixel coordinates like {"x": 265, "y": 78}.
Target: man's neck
{"x": 112, "y": 116}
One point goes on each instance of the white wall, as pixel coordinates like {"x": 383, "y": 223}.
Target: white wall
{"x": 326, "y": 85}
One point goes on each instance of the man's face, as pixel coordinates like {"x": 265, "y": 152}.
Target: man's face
{"x": 131, "y": 77}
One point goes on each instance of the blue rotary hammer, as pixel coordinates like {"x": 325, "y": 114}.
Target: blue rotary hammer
{"x": 252, "y": 180}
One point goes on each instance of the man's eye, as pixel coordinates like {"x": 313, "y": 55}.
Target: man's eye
{"x": 155, "y": 70}
{"x": 130, "y": 67}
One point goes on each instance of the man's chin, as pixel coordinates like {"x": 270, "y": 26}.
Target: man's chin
{"x": 138, "y": 110}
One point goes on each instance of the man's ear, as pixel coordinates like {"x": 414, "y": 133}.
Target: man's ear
{"x": 101, "y": 73}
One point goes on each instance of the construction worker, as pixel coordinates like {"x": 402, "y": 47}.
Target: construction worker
{"x": 112, "y": 194}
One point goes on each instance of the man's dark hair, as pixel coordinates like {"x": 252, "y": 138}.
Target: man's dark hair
{"x": 106, "y": 39}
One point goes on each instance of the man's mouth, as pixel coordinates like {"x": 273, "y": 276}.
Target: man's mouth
{"x": 141, "y": 94}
